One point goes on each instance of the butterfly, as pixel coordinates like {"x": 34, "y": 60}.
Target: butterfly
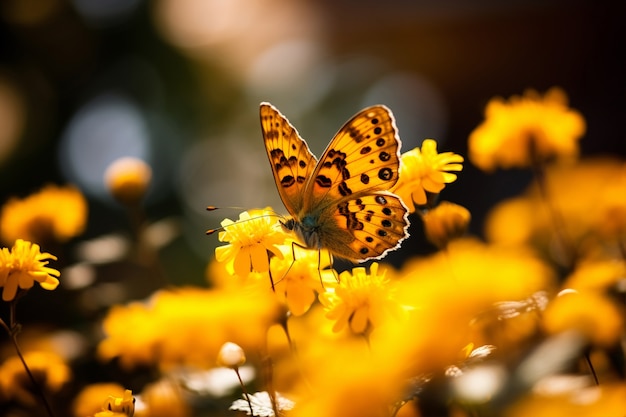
{"x": 340, "y": 203}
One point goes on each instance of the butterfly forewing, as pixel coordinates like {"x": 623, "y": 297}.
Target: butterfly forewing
{"x": 291, "y": 160}
{"x": 362, "y": 157}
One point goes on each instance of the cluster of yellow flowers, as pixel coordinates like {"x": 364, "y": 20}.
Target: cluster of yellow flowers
{"x": 528, "y": 321}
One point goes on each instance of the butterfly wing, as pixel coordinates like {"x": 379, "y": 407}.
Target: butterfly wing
{"x": 362, "y": 157}
{"x": 291, "y": 160}
{"x": 367, "y": 226}
{"x": 358, "y": 218}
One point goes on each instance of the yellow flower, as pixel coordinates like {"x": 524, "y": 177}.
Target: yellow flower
{"x": 525, "y": 129}
{"x": 161, "y": 331}
{"x": 593, "y": 315}
{"x": 450, "y": 291}
{"x": 251, "y": 240}
{"x": 47, "y": 367}
{"x": 163, "y": 398}
{"x": 586, "y": 197}
{"x": 124, "y": 404}
{"x": 425, "y": 171}
{"x": 128, "y": 179}
{"x": 360, "y": 301}
{"x": 89, "y": 400}
{"x": 597, "y": 275}
{"x": 296, "y": 281}
{"x": 445, "y": 222}
{"x": 24, "y": 265}
{"x": 54, "y": 213}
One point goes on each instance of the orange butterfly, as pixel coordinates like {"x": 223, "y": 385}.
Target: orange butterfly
{"x": 340, "y": 203}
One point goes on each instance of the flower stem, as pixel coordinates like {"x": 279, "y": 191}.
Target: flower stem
{"x": 565, "y": 250}
{"x": 245, "y": 392}
{"x": 13, "y": 329}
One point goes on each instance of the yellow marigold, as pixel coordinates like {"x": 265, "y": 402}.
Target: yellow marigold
{"x": 353, "y": 382}
{"x": 360, "y": 301}
{"x": 586, "y": 198}
{"x": 53, "y": 213}
{"x": 163, "y": 398}
{"x": 445, "y": 222}
{"x": 593, "y": 315}
{"x": 24, "y": 265}
{"x": 450, "y": 290}
{"x": 47, "y": 367}
{"x": 128, "y": 179}
{"x": 161, "y": 330}
{"x": 597, "y": 274}
{"x": 526, "y": 128}
{"x": 251, "y": 240}
{"x": 296, "y": 281}
{"x": 124, "y": 404}
{"x": 89, "y": 399}
{"x": 425, "y": 171}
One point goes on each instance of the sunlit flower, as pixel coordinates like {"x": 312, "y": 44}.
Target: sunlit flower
{"x": 445, "y": 222}
{"x": 360, "y": 301}
{"x": 593, "y": 315}
{"x": 121, "y": 404}
{"x": 161, "y": 330}
{"x": 47, "y": 367}
{"x": 425, "y": 171}
{"x": 24, "y": 265}
{"x": 354, "y": 381}
{"x": 251, "y": 240}
{"x": 585, "y": 200}
{"x": 453, "y": 292}
{"x": 108, "y": 413}
{"x": 54, "y": 213}
{"x": 163, "y": 398}
{"x": 89, "y": 399}
{"x": 128, "y": 179}
{"x": 298, "y": 280}
{"x": 597, "y": 274}
{"x": 525, "y": 129}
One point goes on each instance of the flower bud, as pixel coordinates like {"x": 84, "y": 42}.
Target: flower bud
{"x": 231, "y": 355}
{"x": 445, "y": 222}
{"x": 128, "y": 179}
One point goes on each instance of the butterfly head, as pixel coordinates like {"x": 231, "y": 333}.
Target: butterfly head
{"x": 306, "y": 230}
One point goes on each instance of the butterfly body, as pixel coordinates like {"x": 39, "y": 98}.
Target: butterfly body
{"x": 340, "y": 203}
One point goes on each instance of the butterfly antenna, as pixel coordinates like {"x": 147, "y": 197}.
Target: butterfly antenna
{"x": 222, "y": 228}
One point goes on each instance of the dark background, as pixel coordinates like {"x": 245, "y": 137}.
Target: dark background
{"x": 469, "y": 51}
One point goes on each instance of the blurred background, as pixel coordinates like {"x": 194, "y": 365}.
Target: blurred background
{"x": 178, "y": 84}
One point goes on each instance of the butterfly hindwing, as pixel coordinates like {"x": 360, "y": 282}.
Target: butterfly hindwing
{"x": 363, "y": 155}
{"x": 291, "y": 160}
{"x": 376, "y": 222}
